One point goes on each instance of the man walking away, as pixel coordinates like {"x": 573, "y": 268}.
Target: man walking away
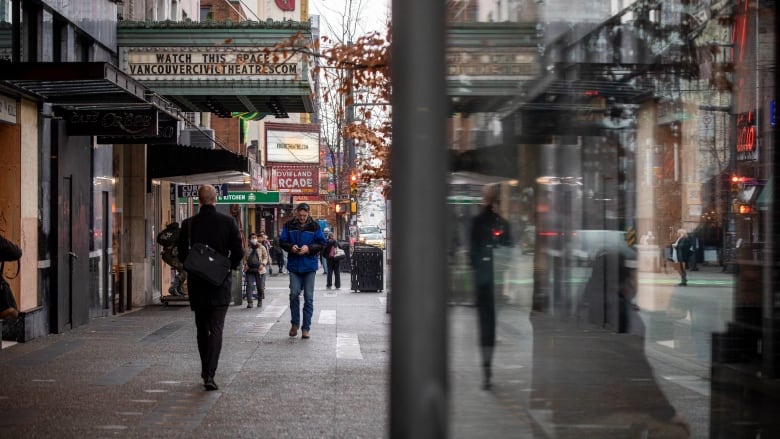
{"x": 302, "y": 239}
{"x": 210, "y": 303}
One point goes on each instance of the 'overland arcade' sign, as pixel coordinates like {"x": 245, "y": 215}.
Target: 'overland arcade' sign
{"x": 205, "y": 63}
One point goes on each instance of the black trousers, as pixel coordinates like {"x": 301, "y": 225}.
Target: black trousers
{"x": 486, "y": 309}
{"x": 209, "y": 322}
{"x": 333, "y": 271}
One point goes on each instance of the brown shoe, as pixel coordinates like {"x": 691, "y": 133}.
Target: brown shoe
{"x": 293, "y": 330}
{"x": 304, "y": 334}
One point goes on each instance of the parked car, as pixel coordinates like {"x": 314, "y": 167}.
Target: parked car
{"x": 371, "y": 235}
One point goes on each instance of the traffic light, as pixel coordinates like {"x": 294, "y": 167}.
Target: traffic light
{"x": 353, "y": 184}
{"x": 736, "y": 184}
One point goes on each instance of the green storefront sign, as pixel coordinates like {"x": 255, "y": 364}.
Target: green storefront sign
{"x": 270, "y": 197}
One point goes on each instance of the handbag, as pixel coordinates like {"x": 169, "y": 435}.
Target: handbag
{"x": 206, "y": 263}
{"x": 338, "y": 253}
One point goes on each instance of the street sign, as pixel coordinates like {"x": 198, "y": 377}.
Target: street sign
{"x": 338, "y": 197}
{"x": 270, "y": 197}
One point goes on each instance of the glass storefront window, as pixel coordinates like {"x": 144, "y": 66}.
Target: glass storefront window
{"x": 620, "y": 282}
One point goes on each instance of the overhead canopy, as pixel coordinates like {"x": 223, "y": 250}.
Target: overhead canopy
{"x": 190, "y": 165}
{"x": 221, "y": 67}
{"x": 77, "y": 85}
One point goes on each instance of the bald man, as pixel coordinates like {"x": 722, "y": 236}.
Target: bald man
{"x": 489, "y": 230}
{"x": 210, "y": 303}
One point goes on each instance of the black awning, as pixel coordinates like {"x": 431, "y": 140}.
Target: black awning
{"x": 81, "y": 84}
{"x": 190, "y": 165}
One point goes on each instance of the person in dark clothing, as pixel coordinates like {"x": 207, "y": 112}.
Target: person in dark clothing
{"x": 333, "y": 262}
{"x": 210, "y": 303}
{"x": 277, "y": 254}
{"x": 168, "y": 238}
{"x": 488, "y": 231}
{"x": 303, "y": 240}
{"x": 681, "y": 254}
{"x": 8, "y": 252}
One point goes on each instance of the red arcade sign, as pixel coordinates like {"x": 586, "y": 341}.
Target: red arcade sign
{"x": 296, "y": 180}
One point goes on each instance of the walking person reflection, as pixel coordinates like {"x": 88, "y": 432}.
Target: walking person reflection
{"x": 488, "y": 231}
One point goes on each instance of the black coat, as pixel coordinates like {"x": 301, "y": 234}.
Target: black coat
{"x": 220, "y": 232}
{"x": 326, "y": 250}
{"x": 488, "y": 231}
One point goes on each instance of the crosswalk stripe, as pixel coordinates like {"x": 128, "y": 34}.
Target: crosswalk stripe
{"x": 348, "y": 346}
{"x": 327, "y": 317}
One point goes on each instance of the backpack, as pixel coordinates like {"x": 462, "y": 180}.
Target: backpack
{"x": 169, "y": 236}
{"x": 253, "y": 260}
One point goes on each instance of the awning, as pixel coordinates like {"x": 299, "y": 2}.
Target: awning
{"x": 189, "y": 165}
{"x": 78, "y": 85}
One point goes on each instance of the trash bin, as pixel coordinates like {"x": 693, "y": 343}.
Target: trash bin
{"x": 366, "y": 269}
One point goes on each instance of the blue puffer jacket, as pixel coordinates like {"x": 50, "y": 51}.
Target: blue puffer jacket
{"x": 310, "y": 234}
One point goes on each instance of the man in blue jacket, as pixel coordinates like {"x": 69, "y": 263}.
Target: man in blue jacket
{"x": 302, "y": 239}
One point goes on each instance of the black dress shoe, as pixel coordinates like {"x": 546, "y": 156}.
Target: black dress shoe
{"x": 209, "y": 384}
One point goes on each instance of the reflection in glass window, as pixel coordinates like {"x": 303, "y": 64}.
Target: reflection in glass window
{"x": 628, "y": 150}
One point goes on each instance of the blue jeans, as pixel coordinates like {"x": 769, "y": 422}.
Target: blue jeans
{"x": 305, "y": 282}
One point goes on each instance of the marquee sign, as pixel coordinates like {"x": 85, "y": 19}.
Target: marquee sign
{"x": 201, "y": 63}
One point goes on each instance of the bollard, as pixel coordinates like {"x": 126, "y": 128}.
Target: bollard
{"x": 120, "y": 288}
{"x": 129, "y": 286}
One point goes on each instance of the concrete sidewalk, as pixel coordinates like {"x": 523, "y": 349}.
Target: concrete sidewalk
{"x": 138, "y": 375}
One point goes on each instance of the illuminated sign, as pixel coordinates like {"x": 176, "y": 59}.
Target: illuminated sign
{"x": 295, "y": 179}
{"x": 746, "y": 136}
{"x": 292, "y": 143}
{"x": 194, "y": 63}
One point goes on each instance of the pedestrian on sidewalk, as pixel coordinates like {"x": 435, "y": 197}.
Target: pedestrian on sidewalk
{"x": 324, "y": 256}
{"x": 333, "y": 260}
{"x": 8, "y": 252}
{"x": 277, "y": 255}
{"x": 681, "y": 253}
{"x": 254, "y": 271}
{"x": 168, "y": 238}
{"x": 303, "y": 240}
{"x": 210, "y": 303}
{"x": 263, "y": 239}
{"x": 488, "y": 231}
